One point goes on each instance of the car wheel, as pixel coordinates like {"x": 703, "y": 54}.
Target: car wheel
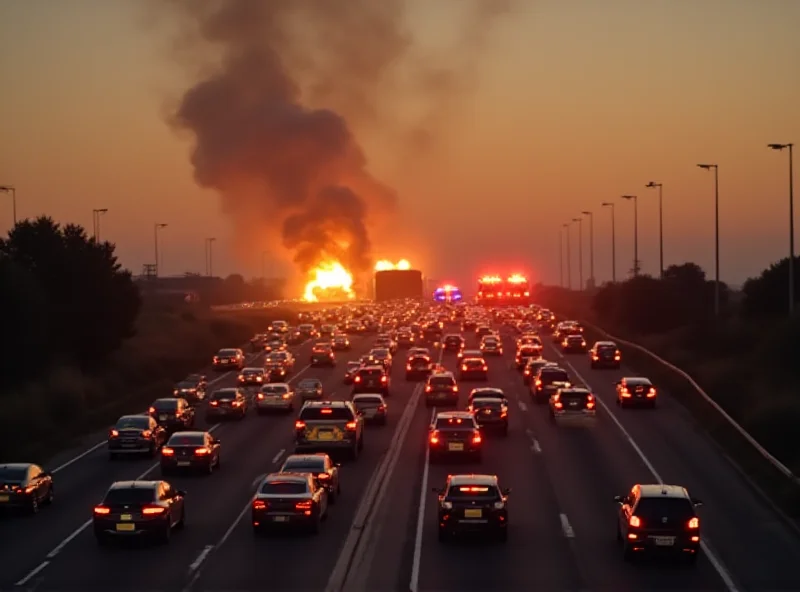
{"x": 210, "y": 467}
{"x": 51, "y": 496}
{"x": 33, "y": 508}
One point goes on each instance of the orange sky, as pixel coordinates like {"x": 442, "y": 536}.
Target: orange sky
{"x": 572, "y": 102}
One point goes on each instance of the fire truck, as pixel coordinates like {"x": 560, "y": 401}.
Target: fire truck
{"x": 494, "y": 290}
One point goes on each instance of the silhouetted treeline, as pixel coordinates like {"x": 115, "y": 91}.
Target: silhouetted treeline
{"x": 64, "y": 299}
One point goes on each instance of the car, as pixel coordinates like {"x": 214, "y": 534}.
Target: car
{"x": 491, "y": 414}
{"x": 605, "y": 354}
{"x": 310, "y": 389}
{"x": 532, "y": 368}
{"x": 371, "y": 379}
{"x": 321, "y": 466}
{"x": 350, "y": 372}
{"x": 228, "y": 359}
{"x": 453, "y": 343}
{"x": 225, "y": 403}
{"x": 382, "y": 356}
{"x": 275, "y": 396}
{"x": 26, "y": 487}
{"x": 405, "y": 339}
{"x": 573, "y": 405}
{"x": 274, "y": 343}
{"x": 192, "y": 388}
{"x": 483, "y": 330}
{"x": 295, "y": 337}
{"x": 308, "y": 331}
{"x": 278, "y": 327}
{"x": 172, "y": 414}
{"x": 473, "y": 504}
{"x": 491, "y": 345}
{"x": 454, "y": 433}
{"x": 139, "y": 509}
{"x": 135, "y": 434}
{"x": 282, "y": 357}
{"x": 372, "y": 406}
{"x": 322, "y": 355}
{"x": 573, "y": 344}
{"x": 341, "y": 343}
{"x": 473, "y": 369}
{"x": 418, "y": 366}
{"x": 547, "y": 381}
{"x": 658, "y": 519}
{"x": 469, "y": 353}
{"x": 526, "y": 353}
{"x": 329, "y": 426}
{"x": 190, "y": 450}
{"x": 327, "y": 330}
{"x": 252, "y": 377}
{"x": 636, "y": 391}
{"x": 291, "y": 500}
{"x": 418, "y": 351}
{"x": 487, "y": 392}
{"x": 441, "y": 388}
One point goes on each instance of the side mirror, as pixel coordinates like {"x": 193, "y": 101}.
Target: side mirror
{"x": 180, "y": 493}
{"x": 697, "y": 502}
{"x": 619, "y": 499}
{"x": 505, "y": 491}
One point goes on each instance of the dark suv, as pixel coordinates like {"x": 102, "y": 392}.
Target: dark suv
{"x": 329, "y": 426}
{"x": 658, "y": 519}
{"x": 441, "y": 389}
{"x": 547, "y": 381}
{"x": 371, "y": 379}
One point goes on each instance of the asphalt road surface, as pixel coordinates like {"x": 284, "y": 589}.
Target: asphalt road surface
{"x": 562, "y": 514}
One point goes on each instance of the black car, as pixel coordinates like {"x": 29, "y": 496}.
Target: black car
{"x": 547, "y": 382}
{"x": 291, "y": 500}
{"x": 139, "y": 509}
{"x": 532, "y": 369}
{"x": 193, "y": 451}
{"x": 605, "y": 354}
{"x": 453, "y": 343}
{"x": 418, "y": 366}
{"x": 319, "y": 464}
{"x": 25, "y": 486}
{"x": 474, "y": 369}
{"x": 472, "y": 504}
{"x": 135, "y": 434}
{"x": 276, "y": 371}
{"x": 658, "y": 519}
{"x": 454, "y": 433}
{"x": 490, "y": 414}
{"x": 225, "y": 403}
{"x": 172, "y": 414}
{"x": 192, "y": 388}
{"x": 441, "y": 389}
{"x": 573, "y": 344}
{"x": 323, "y": 356}
{"x": 371, "y": 379}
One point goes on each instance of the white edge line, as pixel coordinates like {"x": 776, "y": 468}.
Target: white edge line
{"x": 278, "y": 456}
{"x": 79, "y": 457}
{"x": 417, "y": 559}
{"x": 566, "y": 526}
{"x": 69, "y": 539}
{"x": 200, "y": 558}
{"x": 536, "y": 447}
{"x": 235, "y": 523}
{"x": 522, "y": 406}
{"x": 33, "y": 573}
{"x": 718, "y": 566}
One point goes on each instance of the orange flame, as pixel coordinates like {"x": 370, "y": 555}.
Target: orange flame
{"x": 329, "y": 281}
{"x": 386, "y": 265}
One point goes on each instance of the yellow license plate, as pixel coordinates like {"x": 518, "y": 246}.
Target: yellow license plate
{"x": 325, "y": 435}
{"x": 473, "y": 513}
{"x": 126, "y": 517}
{"x": 4, "y": 498}
{"x": 455, "y": 447}
{"x": 126, "y": 527}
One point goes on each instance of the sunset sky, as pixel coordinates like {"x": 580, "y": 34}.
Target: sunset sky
{"x": 564, "y": 104}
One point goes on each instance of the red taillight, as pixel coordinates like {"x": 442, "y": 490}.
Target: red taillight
{"x": 558, "y": 404}
{"x": 167, "y": 451}
{"x": 299, "y": 425}
{"x": 476, "y": 439}
{"x": 241, "y": 377}
{"x": 590, "y": 404}
{"x": 153, "y": 510}
{"x": 326, "y": 411}
{"x": 113, "y": 433}
{"x": 455, "y": 388}
{"x": 625, "y": 393}
{"x": 357, "y": 379}
{"x": 538, "y": 382}
{"x": 351, "y": 425}
{"x": 435, "y": 438}
{"x": 323, "y": 476}
{"x": 152, "y": 410}
{"x": 216, "y": 359}
{"x": 201, "y": 451}
{"x": 303, "y": 505}
{"x": 504, "y": 414}
{"x": 694, "y": 523}
{"x": 651, "y": 393}
{"x": 635, "y": 522}
{"x": 381, "y": 407}
{"x": 428, "y": 388}
{"x": 527, "y": 372}
{"x": 214, "y": 403}
{"x": 147, "y": 434}
{"x": 486, "y": 368}
{"x": 384, "y": 378}
{"x": 102, "y": 510}
{"x": 408, "y": 366}
{"x": 259, "y": 505}
{"x": 464, "y": 367}
{"x": 260, "y": 396}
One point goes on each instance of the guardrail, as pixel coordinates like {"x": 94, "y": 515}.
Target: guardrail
{"x": 778, "y": 465}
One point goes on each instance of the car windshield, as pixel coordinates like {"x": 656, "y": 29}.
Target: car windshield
{"x": 186, "y": 385}
{"x": 129, "y": 496}
{"x": 186, "y": 440}
{"x": 487, "y": 403}
{"x": 442, "y": 381}
{"x": 326, "y": 413}
{"x": 551, "y": 376}
{"x": 223, "y": 394}
{"x": 371, "y": 373}
{"x": 574, "y": 396}
{"x": 283, "y": 488}
{"x": 272, "y": 389}
{"x": 368, "y": 401}
{"x": 309, "y": 383}
{"x": 606, "y": 347}
{"x": 253, "y": 372}
{"x": 304, "y": 465}
{"x": 139, "y": 423}
{"x": 443, "y": 423}
{"x": 13, "y": 474}
{"x": 227, "y": 353}
{"x": 654, "y": 510}
{"x": 165, "y": 405}
{"x": 467, "y": 491}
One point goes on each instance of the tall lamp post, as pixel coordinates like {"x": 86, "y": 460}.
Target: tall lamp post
{"x": 96, "y": 222}
{"x": 210, "y": 256}
{"x": 715, "y": 168}
{"x": 590, "y": 215}
{"x": 580, "y": 251}
{"x": 791, "y": 222}
{"x": 569, "y": 265}
{"x": 10, "y": 189}
{"x": 156, "y": 228}
{"x": 610, "y": 204}
{"x": 561, "y": 257}
{"x": 635, "y": 201}
{"x": 659, "y": 186}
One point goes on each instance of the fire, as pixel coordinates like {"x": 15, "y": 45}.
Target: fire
{"x": 386, "y": 265}
{"x": 330, "y": 281}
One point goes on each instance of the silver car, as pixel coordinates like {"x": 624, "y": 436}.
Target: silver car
{"x": 372, "y": 406}
{"x": 310, "y": 389}
{"x": 277, "y": 396}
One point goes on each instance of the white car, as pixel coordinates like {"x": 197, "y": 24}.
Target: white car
{"x": 276, "y": 396}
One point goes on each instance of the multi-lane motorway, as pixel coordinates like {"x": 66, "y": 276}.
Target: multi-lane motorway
{"x": 562, "y": 512}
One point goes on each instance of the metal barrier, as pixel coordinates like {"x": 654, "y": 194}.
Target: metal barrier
{"x": 752, "y": 441}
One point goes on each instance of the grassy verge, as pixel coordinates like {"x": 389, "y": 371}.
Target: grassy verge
{"x": 784, "y": 492}
{"x": 56, "y": 410}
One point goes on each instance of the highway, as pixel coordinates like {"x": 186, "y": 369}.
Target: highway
{"x": 562, "y": 513}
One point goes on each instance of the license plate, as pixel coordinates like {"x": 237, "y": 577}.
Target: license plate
{"x": 369, "y": 413}
{"x": 664, "y": 541}
{"x": 4, "y": 498}
{"x": 184, "y": 463}
{"x": 573, "y": 404}
{"x": 162, "y": 417}
{"x": 473, "y": 513}
{"x": 127, "y": 527}
{"x": 280, "y": 519}
{"x": 126, "y": 517}
{"x": 326, "y": 435}
{"x": 455, "y": 447}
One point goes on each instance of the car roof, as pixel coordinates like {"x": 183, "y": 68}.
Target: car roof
{"x": 279, "y": 384}
{"x": 372, "y": 367}
{"x": 296, "y": 477}
{"x": 135, "y": 484}
{"x": 663, "y": 490}
{"x": 304, "y": 457}
{"x": 17, "y": 465}
{"x": 189, "y": 433}
{"x": 133, "y": 416}
{"x": 445, "y": 374}
{"x": 605, "y": 343}
{"x": 325, "y": 404}
{"x": 480, "y": 399}
{"x": 472, "y": 479}
{"x": 637, "y": 380}
{"x": 367, "y": 395}
{"x": 577, "y": 389}
{"x": 454, "y": 415}
{"x": 486, "y": 390}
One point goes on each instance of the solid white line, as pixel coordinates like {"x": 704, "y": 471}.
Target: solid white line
{"x": 715, "y": 562}
{"x": 522, "y": 406}
{"x": 200, "y": 558}
{"x": 80, "y": 456}
{"x": 536, "y": 447}
{"x": 566, "y": 526}
{"x": 278, "y": 456}
{"x": 423, "y": 494}
{"x": 236, "y": 522}
{"x": 33, "y": 573}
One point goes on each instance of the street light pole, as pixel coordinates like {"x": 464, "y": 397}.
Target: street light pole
{"x": 96, "y": 220}
{"x": 715, "y": 168}
{"x": 610, "y": 204}
{"x": 156, "y": 228}
{"x": 791, "y": 222}
{"x": 635, "y": 232}
{"x": 561, "y": 257}
{"x": 210, "y": 256}
{"x": 13, "y": 191}
{"x": 590, "y": 215}
{"x": 660, "y": 186}
{"x": 580, "y": 252}
{"x": 569, "y": 257}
